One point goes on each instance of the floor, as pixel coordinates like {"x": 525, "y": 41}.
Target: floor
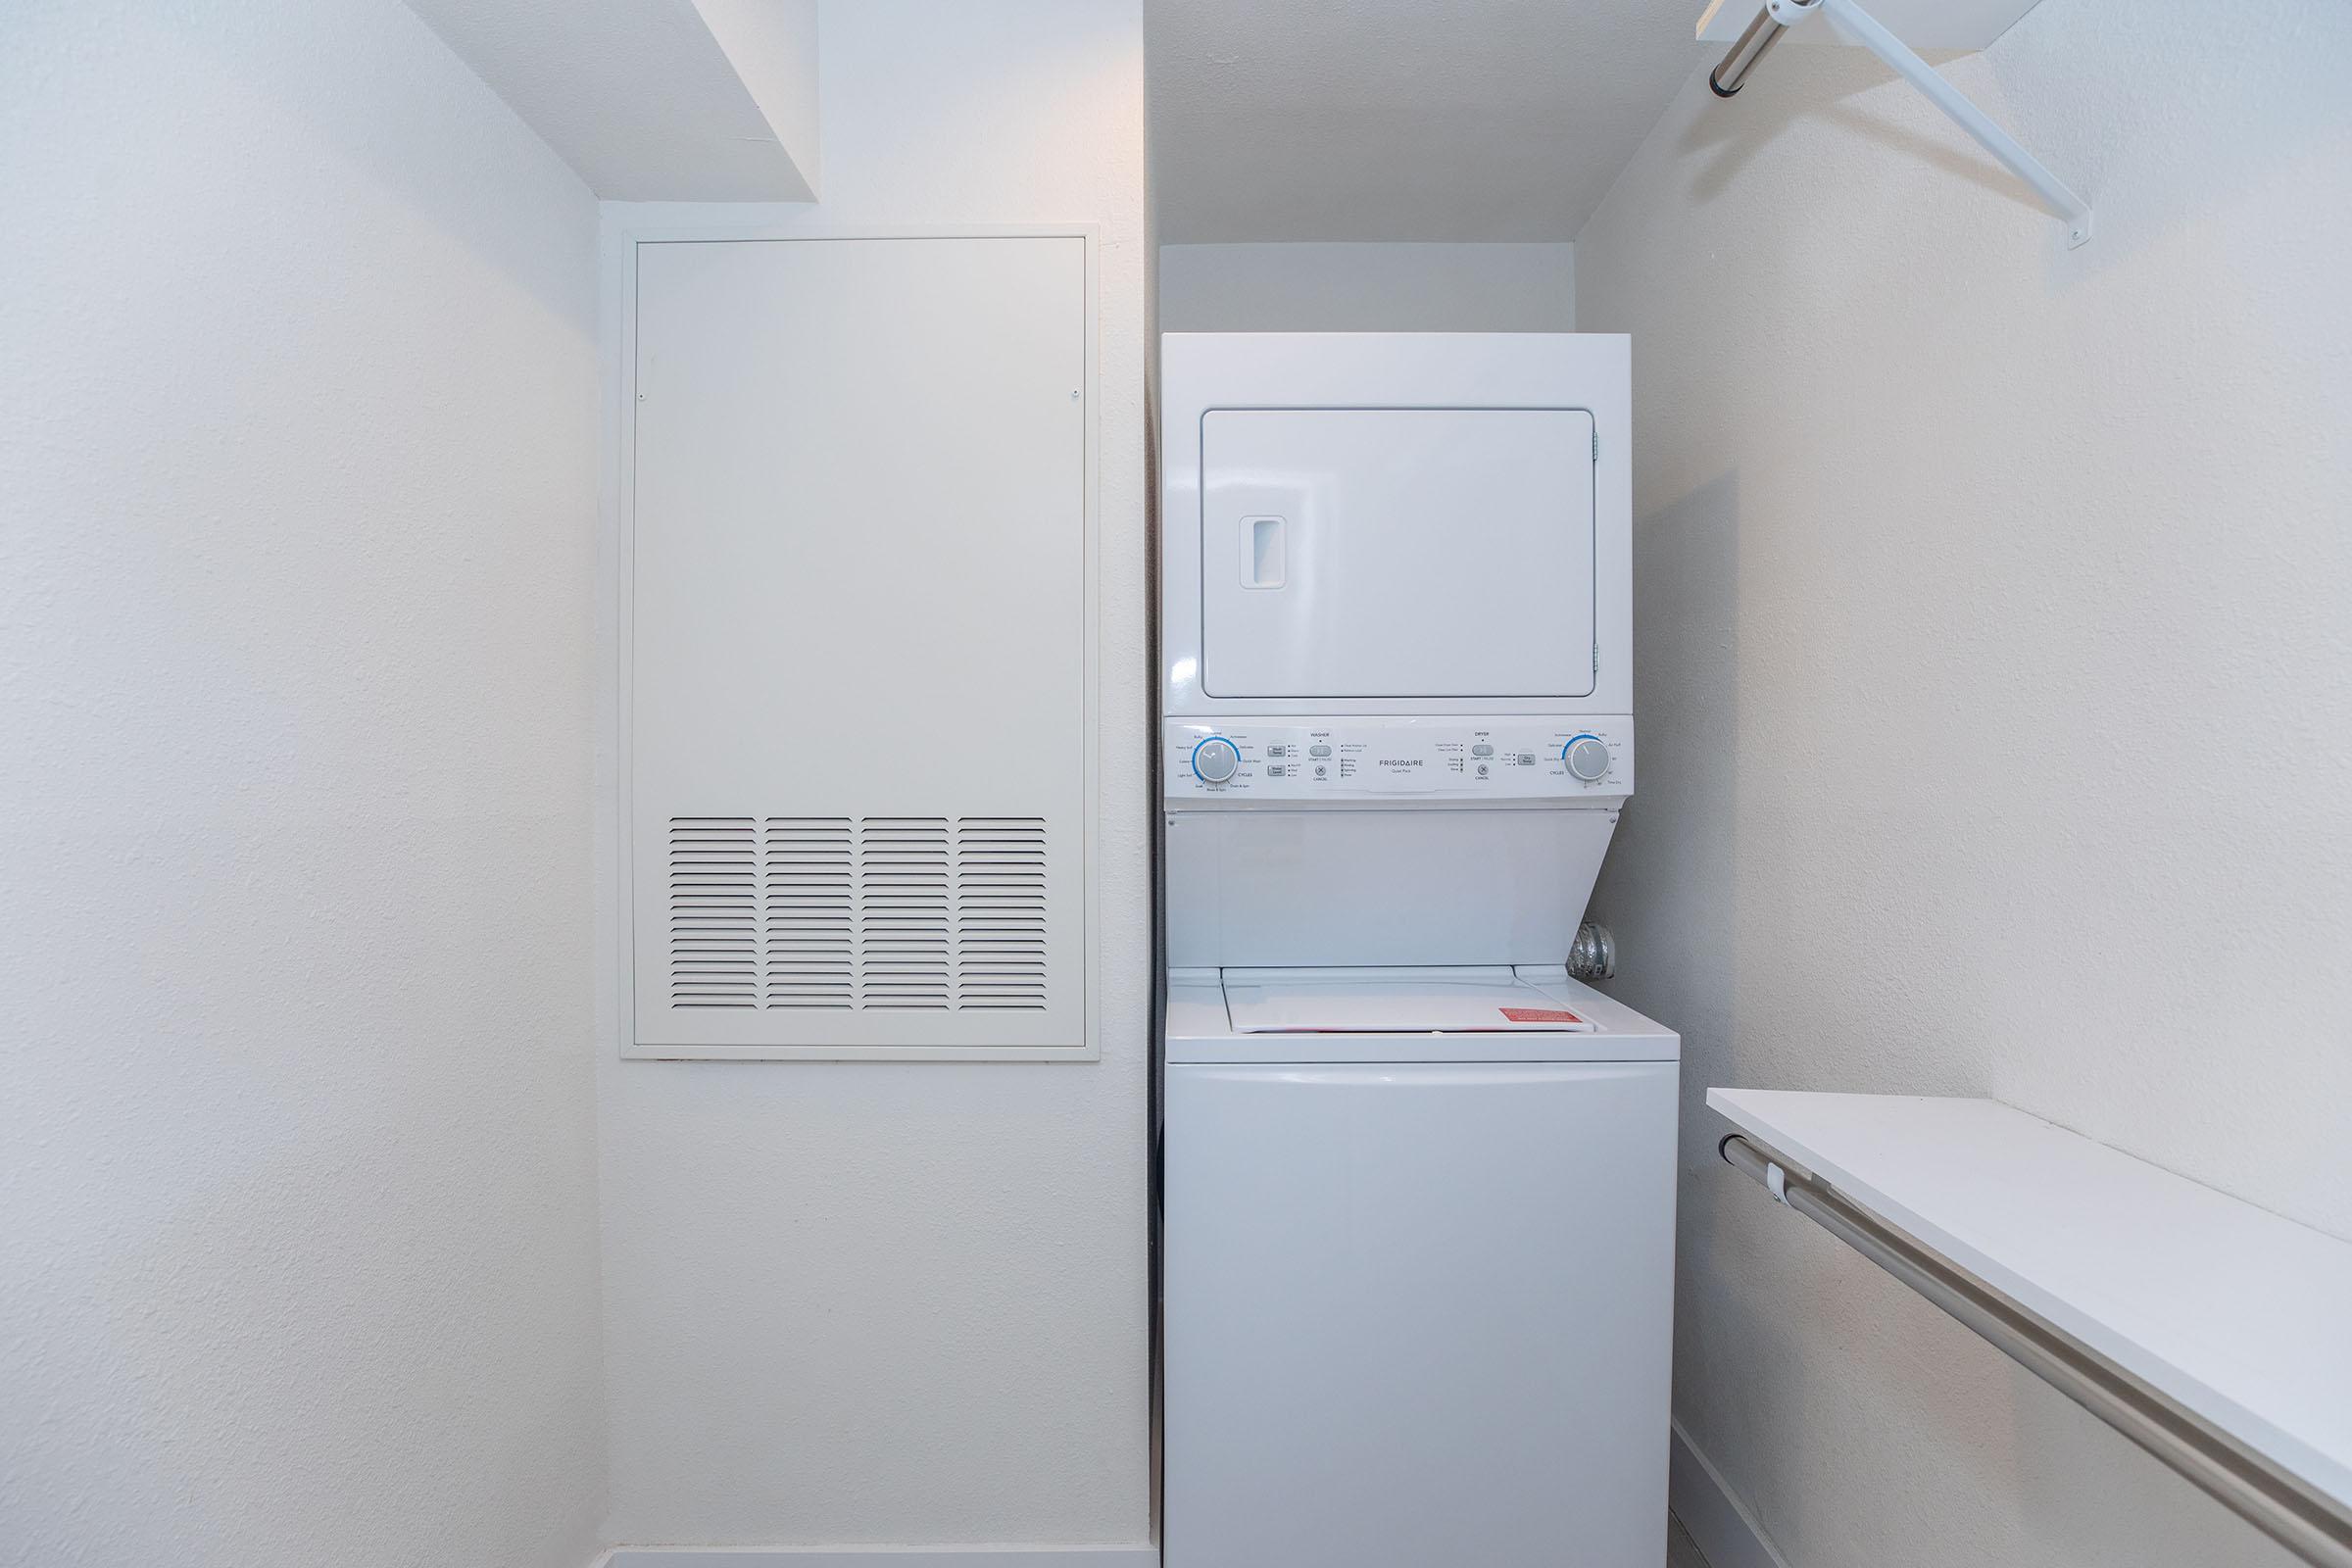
{"x": 1680, "y": 1552}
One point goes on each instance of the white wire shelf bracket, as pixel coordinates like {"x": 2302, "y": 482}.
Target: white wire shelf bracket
{"x": 1853, "y": 23}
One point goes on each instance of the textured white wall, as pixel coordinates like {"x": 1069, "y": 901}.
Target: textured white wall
{"x": 908, "y": 1303}
{"x": 1367, "y": 287}
{"x": 297, "y": 522}
{"x": 1994, "y": 669}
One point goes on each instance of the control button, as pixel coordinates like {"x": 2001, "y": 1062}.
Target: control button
{"x": 1588, "y": 758}
{"x": 1481, "y": 769}
{"x": 1322, "y": 770}
{"x": 1215, "y": 759}
{"x": 1278, "y": 751}
{"x": 1277, "y": 769}
{"x": 1525, "y": 759}
{"x": 1318, "y": 750}
{"x": 1482, "y": 749}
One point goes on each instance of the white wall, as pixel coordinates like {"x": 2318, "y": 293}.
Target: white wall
{"x": 1994, "y": 670}
{"x": 297, "y": 531}
{"x": 908, "y": 1303}
{"x": 772, "y": 44}
{"x": 1367, "y": 287}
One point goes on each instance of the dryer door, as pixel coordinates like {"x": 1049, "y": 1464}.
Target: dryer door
{"x": 1373, "y": 552}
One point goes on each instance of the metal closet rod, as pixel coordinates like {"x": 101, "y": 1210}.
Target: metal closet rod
{"x": 2309, "y": 1523}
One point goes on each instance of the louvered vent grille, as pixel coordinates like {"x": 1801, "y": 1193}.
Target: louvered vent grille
{"x": 1001, "y": 912}
{"x": 809, "y": 887}
{"x": 906, "y": 910}
{"x": 901, "y": 913}
{"x": 714, "y": 912}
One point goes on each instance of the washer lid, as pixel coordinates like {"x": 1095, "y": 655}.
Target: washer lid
{"x": 1447, "y": 1000}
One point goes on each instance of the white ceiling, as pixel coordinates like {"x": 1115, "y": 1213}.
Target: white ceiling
{"x": 1924, "y": 24}
{"x": 654, "y": 100}
{"x": 1403, "y": 119}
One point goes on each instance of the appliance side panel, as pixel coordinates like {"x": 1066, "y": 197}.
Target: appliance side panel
{"x": 1409, "y": 885}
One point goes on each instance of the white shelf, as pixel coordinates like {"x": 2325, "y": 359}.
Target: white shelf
{"x": 1921, "y": 24}
{"x": 2238, "y": 1315}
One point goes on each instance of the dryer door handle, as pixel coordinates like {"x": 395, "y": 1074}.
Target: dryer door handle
{"x": 1265, "y": 552}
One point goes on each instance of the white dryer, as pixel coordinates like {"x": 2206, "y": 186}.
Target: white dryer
{"x": 1419, "y": 1185}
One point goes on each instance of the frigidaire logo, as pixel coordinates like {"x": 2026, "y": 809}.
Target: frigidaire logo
{"x": 1400, "y": 762}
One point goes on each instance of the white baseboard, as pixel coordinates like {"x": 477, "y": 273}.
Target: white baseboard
{"x": 880, "y": 1557}
{"x": 1720, "y": 1525}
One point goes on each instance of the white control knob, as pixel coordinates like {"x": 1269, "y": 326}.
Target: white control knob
{"x": 1215, "y": 759}
{"x": 1588, "y": 758}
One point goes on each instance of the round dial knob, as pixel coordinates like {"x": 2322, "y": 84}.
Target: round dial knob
{"x": 1214, "y": 759}
{"x": 1588, "y": 758}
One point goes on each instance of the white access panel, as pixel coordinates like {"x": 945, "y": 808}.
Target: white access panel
{"x": 1396, "y": 553}
{"x": 1418, "y": 1312}
{"x": 859, "y": 647}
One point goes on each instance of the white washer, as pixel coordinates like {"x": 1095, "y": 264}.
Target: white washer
{"x": 1418, "y": 1233}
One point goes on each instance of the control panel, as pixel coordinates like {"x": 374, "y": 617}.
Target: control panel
{"x": 1385, "y": 759}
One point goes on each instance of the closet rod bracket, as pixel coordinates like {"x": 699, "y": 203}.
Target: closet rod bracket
{"x": 1858, "y": 25}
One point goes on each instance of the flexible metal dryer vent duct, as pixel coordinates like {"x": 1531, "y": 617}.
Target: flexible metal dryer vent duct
{"x": 1594, "y": 954}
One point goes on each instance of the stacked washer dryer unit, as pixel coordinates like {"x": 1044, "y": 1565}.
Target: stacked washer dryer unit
{"x": 1418, "y": 1183}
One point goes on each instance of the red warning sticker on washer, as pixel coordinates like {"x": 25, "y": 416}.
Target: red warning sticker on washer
{"x": 1539, "y": 1015}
